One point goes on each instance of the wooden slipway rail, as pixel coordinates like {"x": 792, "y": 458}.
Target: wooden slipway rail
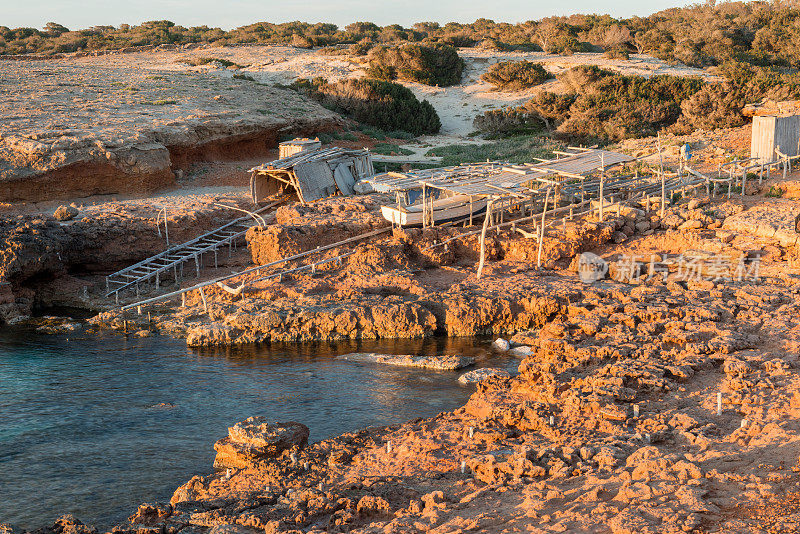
{"x": 310, "y": 266}
{"x": 171, "y": 261}
{"x": 558, "y": 213}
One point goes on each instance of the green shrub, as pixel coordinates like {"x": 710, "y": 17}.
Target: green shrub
{"x": 515, "y": 75}
{"x": 362, "y": 47}
{"x": 520, "y": 149}
{"x": 553, "y": 108}
{"x": 617, "y": 52}
{"x": 388, "y": 149}
{"x": 505, "y": 122}
{"x": 430, "y": 65}
{"x": 196, "y": 62}
{"x": 774, "y": 192}
{"x": 494, "y": 45}
{"x": 612, "y": 107}
{"x": 458, "y": 41}
{"x": 386, "y": 105}
{"x": 600, "y": 106}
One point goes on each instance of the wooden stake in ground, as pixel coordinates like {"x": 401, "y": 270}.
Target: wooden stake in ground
{"x": 483, "y": 236}
{"x": 205, "y": 302}
{"x": 541, "y": 233}
{"x": 602, "y": 180}
{"x": 663, "y": 182}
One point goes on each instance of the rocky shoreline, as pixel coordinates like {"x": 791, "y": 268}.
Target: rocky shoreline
{"x": 646, "y": 403}
{"x": 611, "y": 425}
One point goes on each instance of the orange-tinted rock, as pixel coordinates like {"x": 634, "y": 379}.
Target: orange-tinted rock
{"x": 254, "y": 439}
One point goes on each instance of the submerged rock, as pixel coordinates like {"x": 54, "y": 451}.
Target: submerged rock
{"x": 440, "y": 363}
{"x": 56, "y": 325}
{"x": 255, "y": 438}
{"x": 522, "y": 351}
{"x": 501, "y": 344}
{"x": 479, "y": 375}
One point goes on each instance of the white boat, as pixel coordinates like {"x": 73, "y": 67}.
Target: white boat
{"x": 450, "y": 209}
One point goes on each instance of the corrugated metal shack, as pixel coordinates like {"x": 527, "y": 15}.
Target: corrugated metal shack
{"x": 776, "y": 130}
{"x": 312, "y": 174}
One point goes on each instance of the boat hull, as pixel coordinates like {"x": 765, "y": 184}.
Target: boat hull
{"x": 444, "y": 211}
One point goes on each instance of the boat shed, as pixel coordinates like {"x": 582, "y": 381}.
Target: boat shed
{"x": 504, "y": 185}
{"x": 497, "y": 179}
{"x": 311, "y": 174}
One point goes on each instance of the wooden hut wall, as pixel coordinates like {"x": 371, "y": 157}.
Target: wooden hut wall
{"x": 770, "y": 132}
{"x": 315, "y": 180}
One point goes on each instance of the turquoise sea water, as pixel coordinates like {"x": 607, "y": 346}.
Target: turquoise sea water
{"x": 81, "y": 433}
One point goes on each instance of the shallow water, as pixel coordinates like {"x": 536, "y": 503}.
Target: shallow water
{"x": 81, "y": 433}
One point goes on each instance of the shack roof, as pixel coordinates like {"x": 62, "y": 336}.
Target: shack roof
{"x": 300, "y": 141}
{"x": 329, "y": 155}
{"x": 317, "y": 173}
{"x": 499, "y": 179}
{"x": 766, "y": 108}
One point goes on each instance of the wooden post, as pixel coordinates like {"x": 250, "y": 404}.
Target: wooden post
{"x": 541, "y": 231}
{"x": 663, "y": 183}
{"x": 430, "y": 210}
{"x": 470, "y": 210}
{"x": 483, "y": 237}
{"x": 424, "y": 212}
{"x": 205, "y": 302}
{"x": 744, "y": 180}
{"x": 602, "y": 180}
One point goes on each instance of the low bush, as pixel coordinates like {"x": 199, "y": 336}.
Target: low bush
{"x": 603, "y": 106}
{"x": 720, "y": 105}
{"x": 519, "y": 149}
{"x": 434, "y": 64}
{"x": 385, "y": 105}
{"x": 388, "y": 149}
{"x": 506, "y": 122}
{"x": 515, "y": 75}
{"x": 196, "y": 62}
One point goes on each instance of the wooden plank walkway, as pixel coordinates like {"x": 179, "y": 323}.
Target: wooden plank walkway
{"x": 170, "y": 263}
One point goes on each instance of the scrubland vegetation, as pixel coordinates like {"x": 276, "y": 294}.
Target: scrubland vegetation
{"x": 753, "y": 46}
{"x": 430, "y": 65}
{"x": 385, "y": 105}
{"x": 601, "y": 106}
{"x": 759, "y": 33}
{"x": 195, "y": 62}
{"x": 517, "y": 149}
{"x": 515, "y": 75}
